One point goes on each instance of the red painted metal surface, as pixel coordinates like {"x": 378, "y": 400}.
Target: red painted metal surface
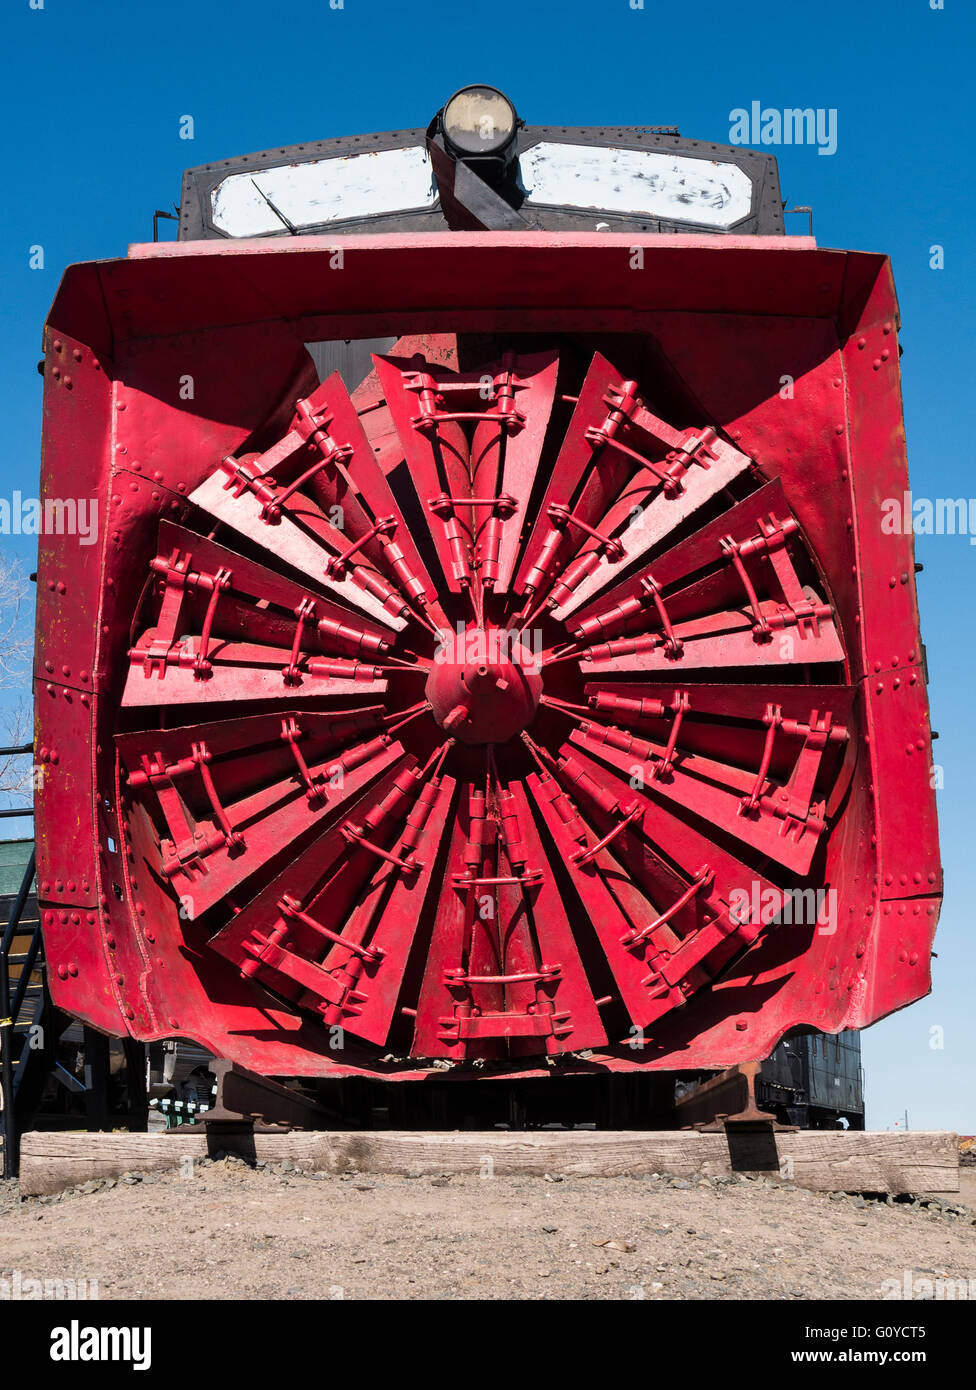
{"x": 556, "y": 692}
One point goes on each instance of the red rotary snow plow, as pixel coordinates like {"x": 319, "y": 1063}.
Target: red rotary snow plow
{"x": 554, "y": 690}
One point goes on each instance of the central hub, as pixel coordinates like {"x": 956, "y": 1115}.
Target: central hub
{"x": 484, "y": 685}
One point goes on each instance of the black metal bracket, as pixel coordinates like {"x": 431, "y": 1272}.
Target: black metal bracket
{"x": 468, "y": 203}
{"x": 170, "y": 216}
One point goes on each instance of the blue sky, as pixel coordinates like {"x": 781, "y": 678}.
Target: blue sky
{"x": 92, "y": 98}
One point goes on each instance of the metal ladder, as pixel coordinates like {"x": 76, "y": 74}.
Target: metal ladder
{"x": 22, "y": 1005}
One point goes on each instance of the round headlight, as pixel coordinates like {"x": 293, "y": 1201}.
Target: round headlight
{"x": 479, "y": 120}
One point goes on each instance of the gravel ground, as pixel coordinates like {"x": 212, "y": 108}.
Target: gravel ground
{"x": 232, "y": 1231}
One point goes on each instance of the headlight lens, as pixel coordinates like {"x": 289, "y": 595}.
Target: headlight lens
{"x": 479, "y": 120}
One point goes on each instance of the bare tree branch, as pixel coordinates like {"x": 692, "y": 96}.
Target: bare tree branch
{"x": 16, "y": 769}
{"x": 16, "y": 622}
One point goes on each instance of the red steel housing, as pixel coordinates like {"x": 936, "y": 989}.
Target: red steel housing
{"x": 281, "y": 815}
